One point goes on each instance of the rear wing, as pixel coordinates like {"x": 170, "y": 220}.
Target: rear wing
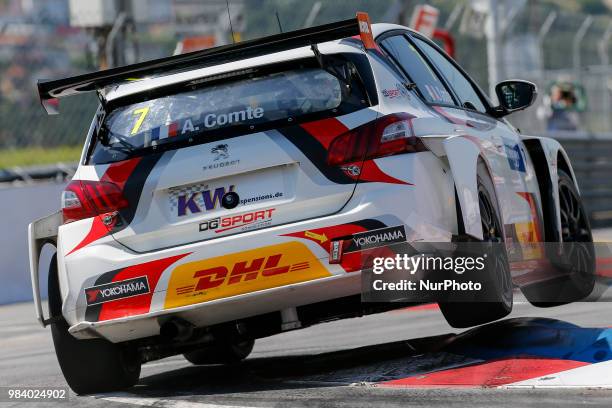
{"x": 50, "y": 91}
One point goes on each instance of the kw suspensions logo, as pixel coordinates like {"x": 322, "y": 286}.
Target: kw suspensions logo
{"x": 201, "y": 201}
{"x": 242, "y": 272}
{"x": 117, "y": 290}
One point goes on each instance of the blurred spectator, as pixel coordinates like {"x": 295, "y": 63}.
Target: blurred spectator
{"x": 561, "y": 106}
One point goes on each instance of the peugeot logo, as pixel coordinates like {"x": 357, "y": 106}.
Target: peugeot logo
{"x": 220, "y": 151}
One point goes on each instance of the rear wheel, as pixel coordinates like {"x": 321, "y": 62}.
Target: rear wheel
{"x": 89, "y": 366}
{"x": 574, "y": 262}
{"x": 227, "y": 352}
{"x": 495, "y": 300}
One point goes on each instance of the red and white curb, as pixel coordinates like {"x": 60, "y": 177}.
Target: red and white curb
{"x": 597, "y": 375}
{"x": 514, "y": 373}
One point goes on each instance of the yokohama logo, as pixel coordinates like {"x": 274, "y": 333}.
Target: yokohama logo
{"x": 243, "y": 271}
{"x": 376, "y": 238}
{"x": 117, "y": 290}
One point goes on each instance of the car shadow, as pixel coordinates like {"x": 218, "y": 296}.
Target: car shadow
{"x": 515, "y": 339}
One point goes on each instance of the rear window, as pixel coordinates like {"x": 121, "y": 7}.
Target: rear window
{"x": 201, "y": 114}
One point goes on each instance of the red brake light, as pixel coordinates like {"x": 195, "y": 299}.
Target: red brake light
{"x": 85, "y": 199}
{"x": 349, "y": 147}
{"x": 385, "y": 136}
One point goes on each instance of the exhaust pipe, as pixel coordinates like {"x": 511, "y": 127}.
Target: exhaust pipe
{"x": 176, "y": 329}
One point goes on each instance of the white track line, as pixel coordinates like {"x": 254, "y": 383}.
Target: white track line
{"x": 128, "y": 398}
{"x": 597, "y": 375}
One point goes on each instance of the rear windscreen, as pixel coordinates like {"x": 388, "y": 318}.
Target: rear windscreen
{"x": 199, "y": 115}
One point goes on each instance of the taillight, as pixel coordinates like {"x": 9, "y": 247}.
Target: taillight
{"x": 85, "y": 199}
{"x": 385, "y": 136}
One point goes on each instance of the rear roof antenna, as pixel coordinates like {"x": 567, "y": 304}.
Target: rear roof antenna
{"x": 280, "y": 27}
{"x": 229, "y": 16}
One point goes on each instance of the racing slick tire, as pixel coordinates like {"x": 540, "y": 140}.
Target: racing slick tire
{"x": 89, "y": 366}
{"x": 228, "y": 352}
{"x": 576, "y": 262}
{"x": 496, "y": 298}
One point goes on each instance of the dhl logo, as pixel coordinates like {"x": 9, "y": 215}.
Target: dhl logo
{"x": 243, "y": 272}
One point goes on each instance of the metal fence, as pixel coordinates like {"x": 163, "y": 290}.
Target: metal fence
{"x": 590, "y": 156}
{"x": 30, "y": 51}
{"x": 34, "y": 47}
{"x": 545, "y": 45}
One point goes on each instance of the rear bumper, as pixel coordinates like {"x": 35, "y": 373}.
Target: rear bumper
{"x": 223, "y": 310}
{"x": 123, "y": 320}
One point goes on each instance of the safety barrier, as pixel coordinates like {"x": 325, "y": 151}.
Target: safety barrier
{"x": 591, "y": 157}
{"x": 58, "y": 172}
{"x": 20, "y": 206}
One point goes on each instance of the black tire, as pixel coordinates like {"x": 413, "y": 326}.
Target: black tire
{"x": 496, "y": 299}
{"x": 89, "y": 366}
{"x": 229, "y": 352}
{"x": 575, "y": 265}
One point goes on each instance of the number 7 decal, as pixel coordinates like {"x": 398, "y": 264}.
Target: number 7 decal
{"x": 143, "y": 114}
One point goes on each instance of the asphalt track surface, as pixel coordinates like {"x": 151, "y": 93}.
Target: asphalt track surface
{"x": 558, "y": 356}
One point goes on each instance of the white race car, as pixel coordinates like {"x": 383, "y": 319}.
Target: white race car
{"x": 232, "y": 193}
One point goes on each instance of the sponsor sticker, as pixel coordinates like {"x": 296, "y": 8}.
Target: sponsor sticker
{"x": 335, "y": 252}
{"x": 194, "y": 200}
{"x": 391, "y": 93}
{"x": 242, "y": 272}
{"x": 515, "y": 158}
{"x": 244, "y": 222}
{"x": 376, "y": 238}
{"x": 261, "y": 197}
{"x": 117, "y": 290}
{"x": 203, "y": 197}
{"x": 399, "y": 90}
{"x": 525, "y": 241}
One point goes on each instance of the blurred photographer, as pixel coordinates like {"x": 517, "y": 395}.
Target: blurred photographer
{"x": 561, "y": 106}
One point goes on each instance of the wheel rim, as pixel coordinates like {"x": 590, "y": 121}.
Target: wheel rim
{"x": 490, "y": 227}
{"x": 574, "y": 227}
{"x": 491, "y": 232}
{"x": 575, "y": 230}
